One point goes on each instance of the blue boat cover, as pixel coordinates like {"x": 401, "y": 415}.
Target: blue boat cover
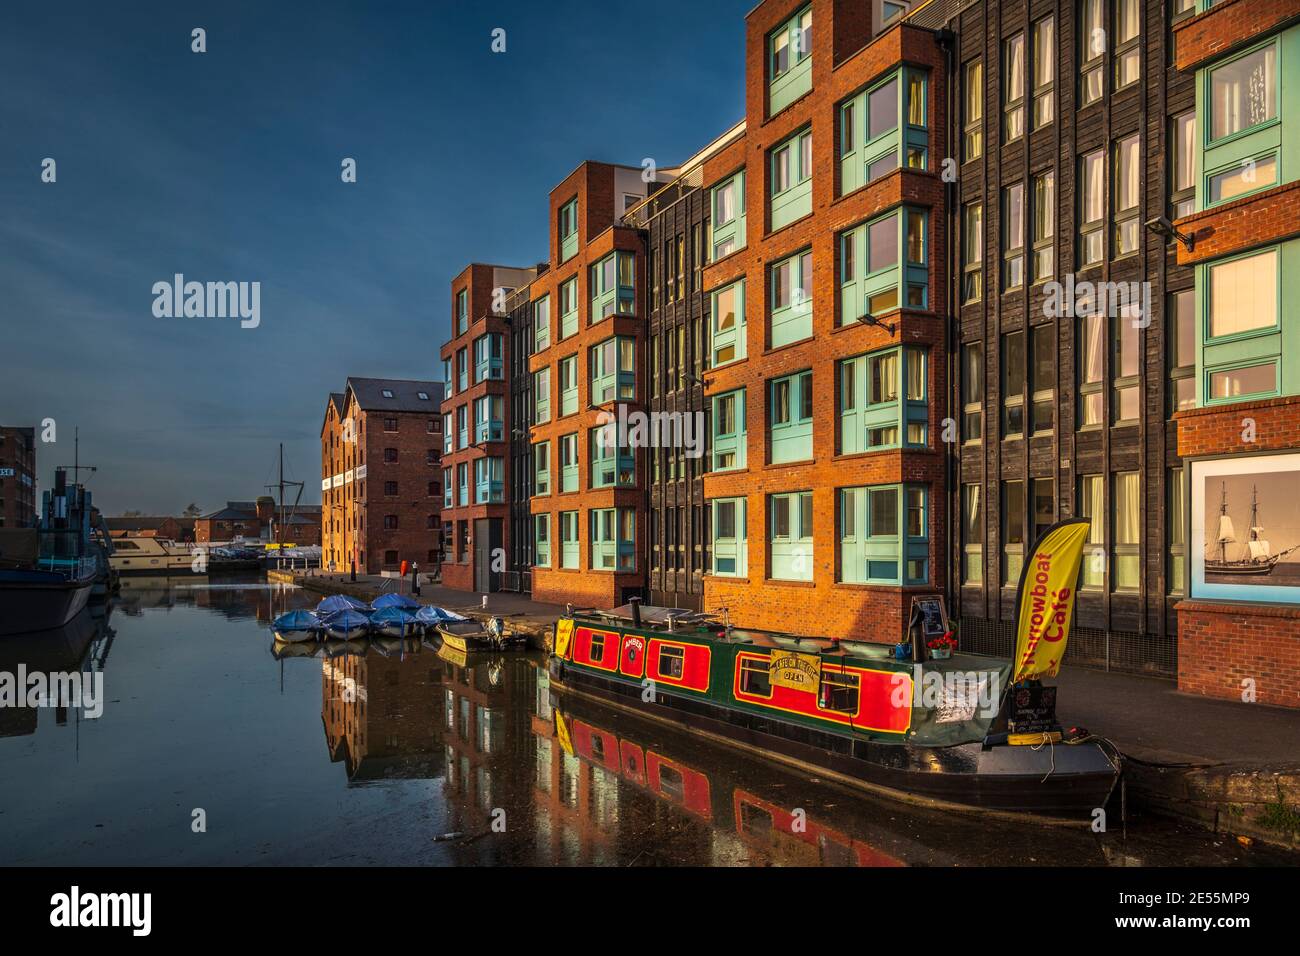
{"x": 347, "y": 619}
{"x": 395, "y": 600}
{"x": 429, "y": 614}
{"x": 297, "y": 621}
{"x": 391, "y": 615}
{"x": 340, "y": 602}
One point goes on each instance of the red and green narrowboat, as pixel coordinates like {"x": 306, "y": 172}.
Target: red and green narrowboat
{"x": 943, "y": 732}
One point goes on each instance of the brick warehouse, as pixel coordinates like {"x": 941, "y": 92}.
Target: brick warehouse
{"x": 381, "y": 477}
{"x": 18, "y": 477}
{"x": 922, "y": 376}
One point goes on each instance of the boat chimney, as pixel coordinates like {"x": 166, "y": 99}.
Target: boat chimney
{"x": 635, "y": 604}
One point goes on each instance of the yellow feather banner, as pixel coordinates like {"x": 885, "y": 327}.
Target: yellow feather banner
{"x": 1045, "y": 602}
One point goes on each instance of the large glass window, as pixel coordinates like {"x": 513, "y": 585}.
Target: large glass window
{"x": 728, "y": 223}
{"x": 1013, "y": 88}
{"x": 612, "y": 286}
{"x": 568, "y": 369}
{"x": 1044, "y": 72}
{"x": 542, "y": 468}
{"x": 612, "y": 367}
{"x": 1013, "y": 385}
{"x": 1092, "y": 570}
{"x": 791, "y": 179}
{"x": 1091, "y": 347}
{"x": 972, "y": 245}
{"x": 542, "y": 396}
{"x": 1127, "y": 366}
{"x": 569, "y": 307}
{"x": 1128, "y": 524}
{"x": 1128, "y": 195}
{"x": 1092, "y": 51}
{"x": 727, "y": 324}
{"x": 972, "y": 392}
{"x": 790, "y": 536}
{"x": 569, "y": 462}
{"x": 729, "y": 539}
{"x": 973, "y": 107}
{"x": 613, "y": 539}
{"x": 790, "y": 427}
{"x": 569, "y": 544}
{"x": 1013, "y": 236}
{"x": 542, "y": 323}
{"x": 1044, "y": 226}
{"x": 1128, "y": 42}
{"x": 1180, "y": 318}
{"x": 1243, "y": 93}
{"x": 1092, "y": 208}
{"x": 728, "y": 437}
{"x": 1182, "y": 189}
{"x": 882, "y": 535}
{"x": 791, "y": 297}
{"x": 1243, "y": 295}
{"x": 542, "y": 541}
{"x": 882, "y": 400}
{"x": 972, "y": 525}
{"x": 1042, "y": 376}
{"x": 1013, "y": 531}
{"x": 882, "y": 265}
{"x": 568, "y": 228}
{"x": 884, "y": 127}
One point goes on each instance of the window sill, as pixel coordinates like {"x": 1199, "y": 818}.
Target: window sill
{"x": 782, "y": 582}
{"x": 803, "y": 462}
{"x": 789, "y": 225}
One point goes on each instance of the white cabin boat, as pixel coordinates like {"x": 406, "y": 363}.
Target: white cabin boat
{"x": 157, "y": 556}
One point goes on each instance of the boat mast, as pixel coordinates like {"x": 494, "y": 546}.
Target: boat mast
{"x": 1223, "y": 511}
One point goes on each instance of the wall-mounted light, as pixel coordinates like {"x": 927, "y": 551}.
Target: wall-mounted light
{"x": 1161, "y": 226}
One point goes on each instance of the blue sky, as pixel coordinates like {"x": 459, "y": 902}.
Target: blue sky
{"x": 224, "y": 166}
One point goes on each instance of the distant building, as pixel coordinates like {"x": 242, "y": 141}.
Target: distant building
{"x": 238, "y": 519}
{"x": 155, "y": 526}
{"x": 17, "y": 477}
{"x": 381, "y": 475}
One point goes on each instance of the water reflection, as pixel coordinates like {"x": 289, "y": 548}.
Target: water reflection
{"x": 428, "y": 756}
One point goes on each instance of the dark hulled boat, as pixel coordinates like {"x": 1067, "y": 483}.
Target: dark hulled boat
{"x": 937, "y": 732}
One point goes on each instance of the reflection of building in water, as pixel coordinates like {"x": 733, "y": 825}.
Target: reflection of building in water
{"x": 381, "y": 715}
{"x": 593, "y": 783}
{"x": 485, "y": 733}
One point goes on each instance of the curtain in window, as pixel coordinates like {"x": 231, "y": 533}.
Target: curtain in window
{"x": 1243, "y": 294}
{"x": 1127, "y": 510}
{"x": 1244, "y": 93}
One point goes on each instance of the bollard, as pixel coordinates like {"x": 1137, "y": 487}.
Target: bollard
{"x": 485, "y": 602}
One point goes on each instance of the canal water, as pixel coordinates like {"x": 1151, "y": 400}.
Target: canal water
{"x": 211, "y": 750}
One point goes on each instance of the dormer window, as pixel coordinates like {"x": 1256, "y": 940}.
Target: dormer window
{"x": 387, "y": 392}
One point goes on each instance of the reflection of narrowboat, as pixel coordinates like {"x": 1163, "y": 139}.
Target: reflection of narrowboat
{"x": 713, "y": 797}
{"x": 936, "y": 732}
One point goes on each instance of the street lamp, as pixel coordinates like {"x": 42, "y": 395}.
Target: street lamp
{"x": 1161, "y": 226}
{"x": 867, "y": 318}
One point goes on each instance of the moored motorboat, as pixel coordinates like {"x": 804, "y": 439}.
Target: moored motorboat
{"x": 296, "y": 626}
{"x": 428, "y": 617}
{"x": 467, "y": 635}
{"x": 392, "y": 621}
{"x": 346, "y": 625}
{"x": 36, "y": 600}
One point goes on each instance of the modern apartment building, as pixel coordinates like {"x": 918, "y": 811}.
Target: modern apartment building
{"x": 965, "y": 268}
{"x": 476, "y": 427}
{"x": 18, "y": 477}
{"x": 589, "y": 337}
{"x": 518, "y": 575}
{"x": 381, "y": 476}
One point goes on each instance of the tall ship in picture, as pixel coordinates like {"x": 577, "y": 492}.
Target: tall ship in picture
{"x": 1255, "y": 557}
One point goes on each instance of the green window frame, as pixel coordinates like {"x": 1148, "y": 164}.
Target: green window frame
{"x": 569, "y": 462}
{"x": 882, "y": 265}
{"x": 729, "y": 539}
{"x": 570, "y": 545}
{"x": 1238, "y": 357}
{"x": 489, "y": 480}
{"x": 728, "y": 440}
{"x": 790, "y": 418}
{"x": 462, "y": 483}
{"x": 790, "y": 178}
{"x": 610, "y": 466}
{"x": 569, "y": 307}
{"x": 489, "y": 418}
{"x": 488, "y": 360}
{"x": 883, "y": 534}
{"x": 727, "y": 324}
{"x": 462, "y": 312}
{"x": 542, "y": 396}
{"x": 727, "y": 216}
{"x": 612, "y": 287}
{"x": 568, "y": 229}
{"x": 568, "y": 372}
{"x": 789, "y": 61}
{"x": 448, "y": 489}
{"x": 611, "y": 368}
{"x": 541, "y": 469}
{"x": 883, "y": 127}
{"x": 790, "y": 536}
{"x": 613, "y": 539}
{"x": 882, "y": 400}
{"x": 790, "y": 298}
{"x": 542, "y": 541}
{"x": 542, "y": 324}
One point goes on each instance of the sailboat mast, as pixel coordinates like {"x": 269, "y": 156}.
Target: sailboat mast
{"x": 1223, "y": 510}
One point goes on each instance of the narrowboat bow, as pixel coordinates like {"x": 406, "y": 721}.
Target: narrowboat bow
{"x": 939, "y": 732}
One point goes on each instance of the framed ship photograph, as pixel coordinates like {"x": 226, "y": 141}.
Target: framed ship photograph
{"x": 1244, "y": 541}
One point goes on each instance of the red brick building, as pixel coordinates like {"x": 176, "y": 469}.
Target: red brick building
{"x": 825, "y": 491}
{"x": 1238, "y": 627}
{"x": 381, "y": 476}
{"x": 476, "y": 426}
{"x": 18, "y": 477}
{"x": 589, "y": 337}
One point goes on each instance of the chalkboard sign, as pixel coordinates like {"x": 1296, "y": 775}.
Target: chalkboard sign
{"x": 1033, "y": 710}
{"x": 934, "y": 619}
